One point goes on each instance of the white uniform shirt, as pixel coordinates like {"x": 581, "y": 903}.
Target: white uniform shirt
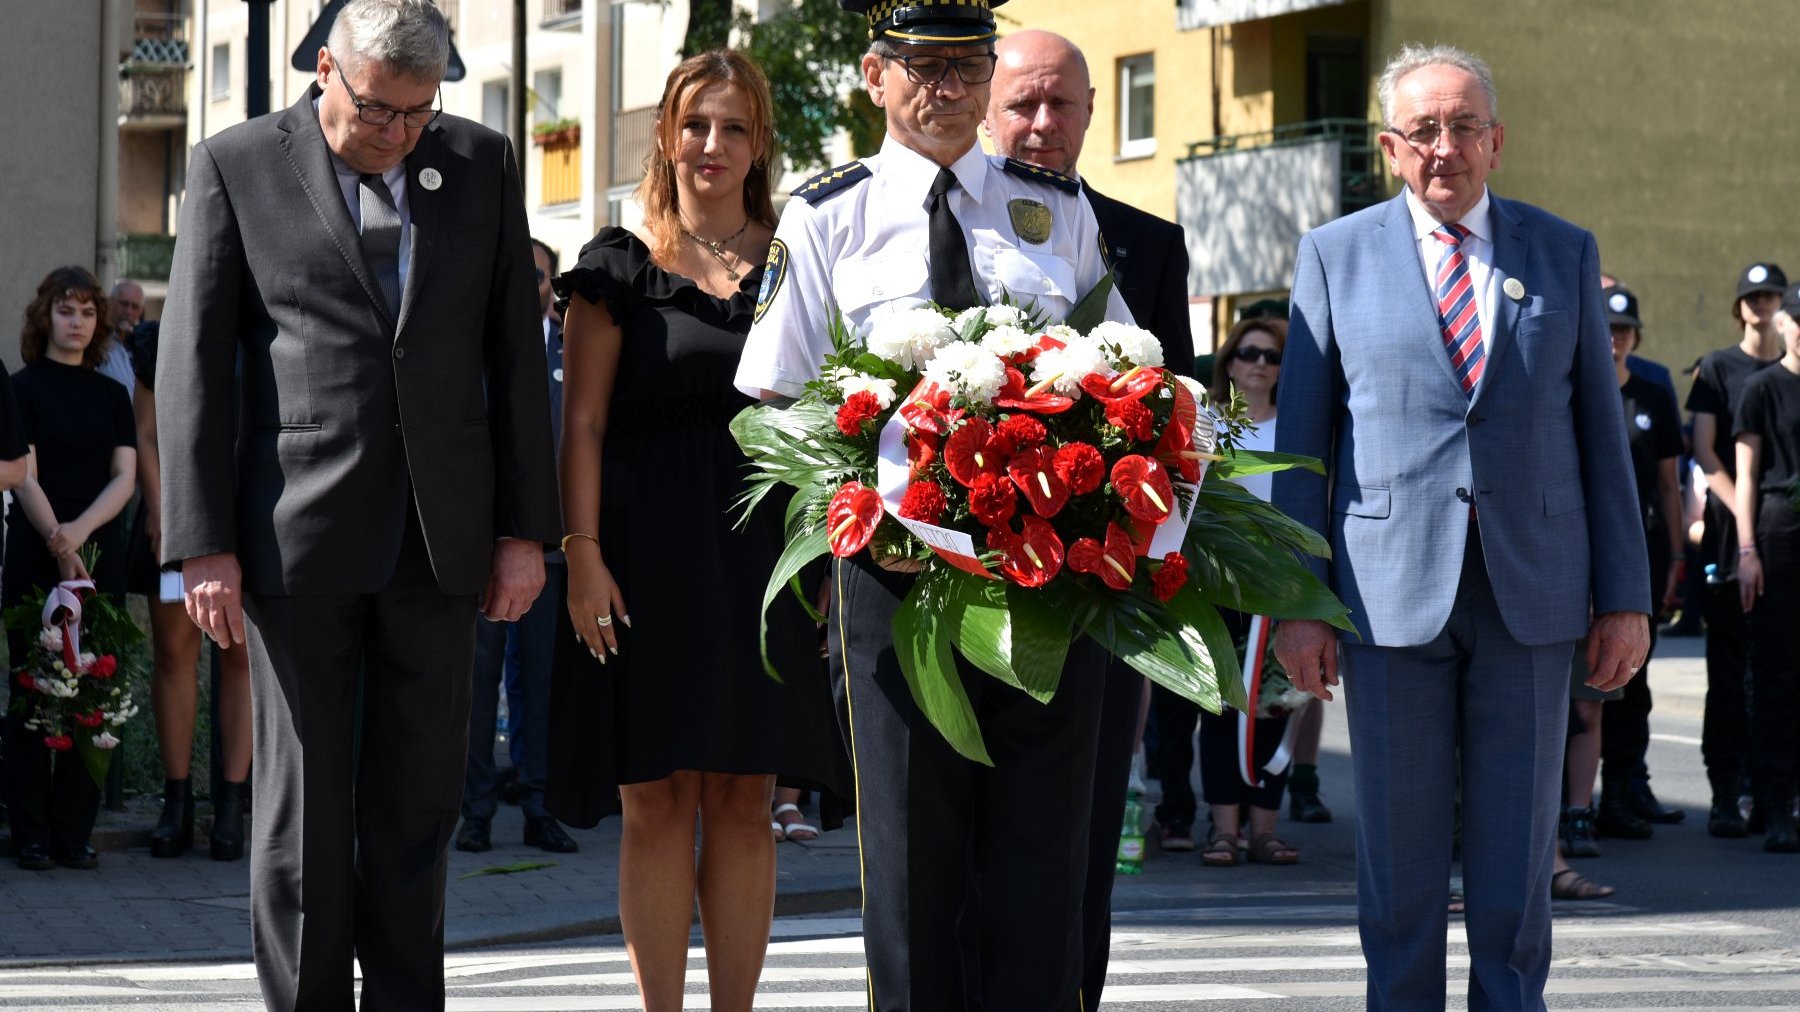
{"x": 863, "y": 250}
{"x": 1478, "y": 253}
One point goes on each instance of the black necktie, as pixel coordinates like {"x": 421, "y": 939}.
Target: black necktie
{"x": 952, "y": 282}
{"x": 381, "y": 237}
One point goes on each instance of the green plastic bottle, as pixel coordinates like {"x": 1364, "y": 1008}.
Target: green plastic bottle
{"x": 1131, "y": 840}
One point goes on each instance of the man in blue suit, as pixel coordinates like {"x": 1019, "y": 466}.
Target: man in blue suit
{"x": 1448, "y": 359}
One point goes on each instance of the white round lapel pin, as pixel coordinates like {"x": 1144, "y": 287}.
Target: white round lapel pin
{"x": 1514, "y": 289}
{"x": 431, "y": 179}
{"x": 1618, "y": 302}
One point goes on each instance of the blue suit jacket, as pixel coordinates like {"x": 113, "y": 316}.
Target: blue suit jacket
{"x": 1366, "y": 386}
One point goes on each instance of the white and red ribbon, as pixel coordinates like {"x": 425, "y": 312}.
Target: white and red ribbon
{"x": 1254, "y": 656}
{"x": 62, "y": 610}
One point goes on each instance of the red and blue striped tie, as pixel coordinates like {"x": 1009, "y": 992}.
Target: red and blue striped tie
{"x": 1456, "y": 309}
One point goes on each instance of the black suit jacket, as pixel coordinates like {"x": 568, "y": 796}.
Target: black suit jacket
{"x": 298, "y": 419}
{"x": 1150, "y": 261}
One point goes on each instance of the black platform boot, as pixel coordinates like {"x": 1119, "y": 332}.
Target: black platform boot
{"x": 228, "y": 820}
{"x": 174, "y": 832}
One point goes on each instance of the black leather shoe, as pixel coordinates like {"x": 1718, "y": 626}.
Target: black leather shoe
{"x": 228, "y": 820}
{"x": 545, "y": 833}
{"x": 475, "y": 836}
{"x": 1578, "y": 832}
{"x": 1783, "y": 836}
{"x": 1644, "y": 805}
{"x": 82, "y": 858}
{"x": 1616, "y": 820}
{"x": 1306, "y": 807}
{"x": 35, "y": 857}
{"x": 174, "y": 832}
{"x": 1725, "y": 821}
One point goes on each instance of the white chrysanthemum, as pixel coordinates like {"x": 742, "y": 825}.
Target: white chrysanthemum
{"x": 1065, "y": 367}
{"x": 105, "y": 739}
{"x": 51, "y": 639}
{"x": 997, "y": 316}
{"x": 1008, "y": 340}
{"x": 1062, "y": 332}
{"x": 1127, "y": 345}
{"x": 86, "y": 660}
{"x": 853, "y": 383}
{"x": 968, "y": 369}
{"x": 910, "y": 338}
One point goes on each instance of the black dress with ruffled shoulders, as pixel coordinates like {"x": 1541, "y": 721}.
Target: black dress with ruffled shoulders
{"x": 687, "y": 689}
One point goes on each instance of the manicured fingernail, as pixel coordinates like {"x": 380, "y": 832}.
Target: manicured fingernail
{"x": 612, "y": 650}
{"x": 597, "y": 656}
{"x": 626, "y": 619}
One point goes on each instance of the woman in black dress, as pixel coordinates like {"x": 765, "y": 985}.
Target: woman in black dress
{"x": 79, "y": 468}
{"x": 664, "y": 593}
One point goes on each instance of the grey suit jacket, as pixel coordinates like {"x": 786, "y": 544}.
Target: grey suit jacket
{"x": 297, "y": 419}
{"x": 1367, "y": 387}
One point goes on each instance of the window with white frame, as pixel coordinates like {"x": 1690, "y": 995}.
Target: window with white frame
{"x": 496, "y": 105}
{"x": 1137, "y": 106}
{"x": 546, "y": 86}
{"x": 221, "y": 73}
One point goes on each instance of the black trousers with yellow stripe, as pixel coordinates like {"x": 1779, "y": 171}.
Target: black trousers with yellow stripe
{"x": 955, "y": 850}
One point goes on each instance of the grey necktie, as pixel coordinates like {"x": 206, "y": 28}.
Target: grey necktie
{"x": 381, "y": 237}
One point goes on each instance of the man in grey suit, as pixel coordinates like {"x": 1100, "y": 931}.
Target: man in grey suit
{"x": 357, "y": 456}
{"x": 1448, "y": 359}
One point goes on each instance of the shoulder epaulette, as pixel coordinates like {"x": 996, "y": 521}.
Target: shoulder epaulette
{"x": 832, "y": 181}
{"x": 1043, "y": 175}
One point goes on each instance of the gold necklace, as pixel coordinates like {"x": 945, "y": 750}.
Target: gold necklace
{"x": 717, "y": 249}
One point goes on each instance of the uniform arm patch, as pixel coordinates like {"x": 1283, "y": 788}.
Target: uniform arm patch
{"x": 1043, "y": 175}
{"x": 832, "y": 181}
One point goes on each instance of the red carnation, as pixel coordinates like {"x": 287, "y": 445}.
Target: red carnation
{"x": 1031, "y": 558}
{"x": 1081, "y": 466}
{"x": 862, "y": 407}
{"x": 851, "y": 518}
{"x": 104, "y": 666}
{"x": 1114, "y": 562}
{"x": 59, "y": 742}
{"x": 973, "y": 450}
{"x": 1170, "y": 577}
{"x": 1139, "y": 422}
{"x": 993, "y": 500}
{"x": 1024, "y": 432}
{"x": 1144, "y": 486}
{"x": 1043, "y": 487}
{"x": 91, "y": 718}
{"x": 24, "y": 678}
{"x": 924, "y": 502}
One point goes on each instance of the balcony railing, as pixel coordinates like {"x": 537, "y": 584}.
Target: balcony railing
{"x": 152, "y": 96}
{"x": 146, "y": 256}
{"x": 159, "y": 39}
{"x": 1360, "y": 179}
{"x": 562, "y": 14}
{"x": 561, "y": 178}
{"x": 633, "y": 132}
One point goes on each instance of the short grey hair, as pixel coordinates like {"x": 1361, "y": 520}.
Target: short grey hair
{"x": 409, "y": 37}
{"x": 1414, "y": 56}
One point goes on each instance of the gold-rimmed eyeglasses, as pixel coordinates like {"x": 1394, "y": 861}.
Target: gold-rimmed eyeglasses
{"x": 1425, "y": 133}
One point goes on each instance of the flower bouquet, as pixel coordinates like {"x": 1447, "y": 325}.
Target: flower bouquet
{"x": 1046, "y": 482}
{"x": 72, "y": 682}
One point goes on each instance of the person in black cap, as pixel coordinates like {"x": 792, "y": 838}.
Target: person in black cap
{"x": 1768, "y": 531}
{"x": 1725, "y": 733}
{"x": 999, "y": 851}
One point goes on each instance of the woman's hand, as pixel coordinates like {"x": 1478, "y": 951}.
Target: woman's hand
{"x": 69, "y": 567}
{"x": 66, "y": 539}
{"x": 1749, "y": 578}
{"x": 596, "y": 606}
{"x": 153, "y": 527}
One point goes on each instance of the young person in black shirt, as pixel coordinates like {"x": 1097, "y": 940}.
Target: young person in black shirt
{"x": 82, "y": 453}
{"x": 1725, "y": 734}
{"x": 1768, "y": 567}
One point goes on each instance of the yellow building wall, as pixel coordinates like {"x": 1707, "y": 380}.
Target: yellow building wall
{"x": 1661, "y": 125}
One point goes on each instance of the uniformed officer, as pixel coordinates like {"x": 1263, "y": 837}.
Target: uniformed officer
{"x": 944, "y": 840}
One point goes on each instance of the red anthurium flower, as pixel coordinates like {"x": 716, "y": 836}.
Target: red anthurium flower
{"x": 993, "y": 500}
{"x": 921, "y": 451}
{"x": 1170, "y": 577}
{"x": 1176, "y": 447}
{"x": 1137, "y": 421}
{"x": 1081, "y": 465}
{"x": 1014, "y": 394}
{"x": 923, "y": 502}
{"x": 1114, "y": 562}
{"x": 974, "y": 450}
{"x": 862, "y": 407}
{"x": 1030, "y": 558}
{"x": 1033, "y": 472}
{"x": 1024, "y": 432}
{"x": 851, "y": 518}
{"x": 1144, "y": 486}
{"x": 1130, "y": 385}
{"x": 924, "y": 408}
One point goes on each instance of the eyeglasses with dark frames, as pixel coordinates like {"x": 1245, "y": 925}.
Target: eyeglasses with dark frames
{"x": 932, "y": 70}
{"x": 1248, "y": 353}
{"x": 1462, "y": 131}
{"x": 375, "y": 114}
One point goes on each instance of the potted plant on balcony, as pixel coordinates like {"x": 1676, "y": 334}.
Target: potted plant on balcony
{"x": 557, "y": 132}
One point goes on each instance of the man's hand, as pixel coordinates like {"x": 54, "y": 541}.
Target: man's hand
{"x": 1307, "y": 648}
{"x": 215, "y": 597}
{"x": 1617, "y": 645}
{"x": 516, "y": 579}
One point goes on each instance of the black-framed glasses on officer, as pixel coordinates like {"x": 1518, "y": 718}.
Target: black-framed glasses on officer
{"x": 376, "y": 114}
{"x": 1462, "y": 130}
{"x": 933, "y": 70}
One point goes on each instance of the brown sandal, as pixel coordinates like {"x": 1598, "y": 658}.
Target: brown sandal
{"x": 1576, "y": 887}
{"x": 1268, "y": 848}
{"x": 1221, "y": 850}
